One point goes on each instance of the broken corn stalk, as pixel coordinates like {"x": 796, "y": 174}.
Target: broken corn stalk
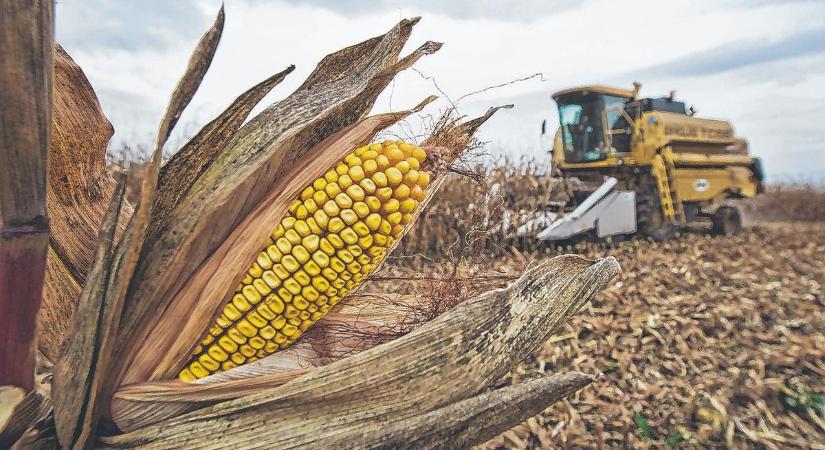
{"x": 332, "y": 238}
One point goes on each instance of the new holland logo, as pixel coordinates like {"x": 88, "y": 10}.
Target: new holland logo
{"x": 701, "y": 185}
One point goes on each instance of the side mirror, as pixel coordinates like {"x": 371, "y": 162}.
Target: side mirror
{"x": 543, "y": 127}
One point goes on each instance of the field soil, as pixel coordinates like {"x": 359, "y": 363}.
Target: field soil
{"x": 701, "y": 342}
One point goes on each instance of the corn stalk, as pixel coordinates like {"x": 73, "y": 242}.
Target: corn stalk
{"x": 131, "y": 290}
{"x": 26, "y": 34}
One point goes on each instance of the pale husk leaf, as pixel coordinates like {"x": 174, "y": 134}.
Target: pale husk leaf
{"x": 475, "y": 343}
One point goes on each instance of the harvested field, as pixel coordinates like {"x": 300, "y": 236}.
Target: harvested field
{"x": 702, "y": 341}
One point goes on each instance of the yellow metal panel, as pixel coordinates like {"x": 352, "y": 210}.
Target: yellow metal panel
{"x": 610, "y": 161}
{"x": 684, "y": 159}
{"x": 712, "y": 184}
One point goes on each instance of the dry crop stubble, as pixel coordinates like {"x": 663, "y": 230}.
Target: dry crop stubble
{"x": 703, "y": 341}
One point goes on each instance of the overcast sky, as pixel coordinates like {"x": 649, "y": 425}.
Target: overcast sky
{"x": 758, "y": 63}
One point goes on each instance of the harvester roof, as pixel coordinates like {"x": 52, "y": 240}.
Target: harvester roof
{"x": 598, "y": 89}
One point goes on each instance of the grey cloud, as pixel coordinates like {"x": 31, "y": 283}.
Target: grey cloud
{"x": 515, "y": 10}
{"x": 741, "y": 54}
{"x": 129, "y": 25}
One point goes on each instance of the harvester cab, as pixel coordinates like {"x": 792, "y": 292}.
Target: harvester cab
{"x": 644, "y": 165}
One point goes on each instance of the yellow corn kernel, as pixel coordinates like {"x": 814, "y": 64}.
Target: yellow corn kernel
{"x": 366, "y": 241}
{"x": 352, "y": 160}
{"x": 407, "y": 206}
{"x": 394, "y": 176}
{"x": 311, "y": 242}
{"x": 302, "y": 229}
{"x": 394, "y": 218}
{"x": 335, "y": 241}
{"x": 361, "y": 209}
{"x": 419, "y": 154}
{"x": 265, "y": 311}
{"x": 256, "y": 319}
{"x": 349, "y": 235}
{"x": 423, "y": 179}
{"x": 344, "y": 181}
{"x": 394, "y": 155}
{"x": 332, "y": 209}
{"x": 383, "y": 194}
{"x": 320, "y": 197}
{"x": 275, "y": 303}
{"x": 313, "y": 227}
{"x": 343, "y": 200}
{"x": 348, "y": 216}
{"x": 300, "y": 253}
{"x": 356, "y": 193}
{"x": 326, "y": 247}
{"x": 397, "y": 230}
{"x": 401, "y": 192}
{"x": 390, "y": 206}
{"x": 379, "y": 179}
{"x": 280, "y": 271}
{"x": 417, "y": 193}
{"x": 292, "y": 236}
{"x": 354, "y": 249}
{"x": 382, "y": 161}
{"x": 336, "y": 224}
{"x": 283, "y": 245}
{"x": 274, "y": 253}
{"x": 373, "y": 203}
{"x": 373, "y": 221}
{"x": 332, "y": 189}
{"x": 370, "y": 166}
{"x": 290, "y": 263}
{"x": 403, "y": 167}
{"x": 321, "y": 218}
{"x": 368, "y": 185}
{"x": 288, "y": 221}
{"x": 301, "y": 277}
{"x": 320, "y": 284}
{"x": 385, "y": 227}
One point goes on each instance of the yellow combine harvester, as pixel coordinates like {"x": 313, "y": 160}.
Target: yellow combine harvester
{"x": 645, "y": 165}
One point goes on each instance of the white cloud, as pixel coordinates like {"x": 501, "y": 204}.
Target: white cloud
{"x": 772, "y": 103}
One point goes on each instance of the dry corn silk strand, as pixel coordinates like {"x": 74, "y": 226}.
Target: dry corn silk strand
{"x": 332, "y": 238}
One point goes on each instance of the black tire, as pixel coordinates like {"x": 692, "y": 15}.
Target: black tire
{"x": 727, "y": 221}
{"x": 650, "y": 221}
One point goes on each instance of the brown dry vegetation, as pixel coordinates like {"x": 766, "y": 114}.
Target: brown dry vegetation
{"x": 703, "y": 341}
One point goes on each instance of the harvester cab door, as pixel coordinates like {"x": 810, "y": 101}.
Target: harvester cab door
{"x": 618, "y": 125}
{"x": 582, "y": 129}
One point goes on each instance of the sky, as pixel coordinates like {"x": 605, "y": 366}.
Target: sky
{"x": 758, "y": 63}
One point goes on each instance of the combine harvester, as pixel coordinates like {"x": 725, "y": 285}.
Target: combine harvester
{"x": 643, "y": 165}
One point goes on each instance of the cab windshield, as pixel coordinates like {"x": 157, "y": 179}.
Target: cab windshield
{"x": 582, "y": 116}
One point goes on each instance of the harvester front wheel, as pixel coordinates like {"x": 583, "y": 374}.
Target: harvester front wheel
{"x": 727, "y": 221}
{"x": 650, "y": 220}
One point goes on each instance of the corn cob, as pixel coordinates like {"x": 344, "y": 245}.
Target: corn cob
{"x": 330, "y": 240}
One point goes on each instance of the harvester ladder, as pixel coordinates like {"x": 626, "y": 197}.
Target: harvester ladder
{"x": 662, "y": 169}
